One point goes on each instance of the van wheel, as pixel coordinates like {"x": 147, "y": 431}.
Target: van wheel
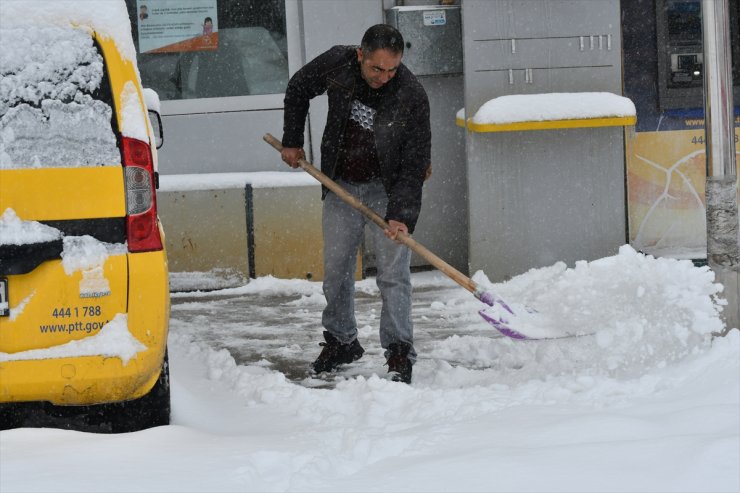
{"x": 148, "y": 411}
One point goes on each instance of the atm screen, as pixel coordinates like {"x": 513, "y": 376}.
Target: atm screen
{"x": 687, "y": 62}
{"x": 683, "y": 21}
{"x": 684, "y": 43}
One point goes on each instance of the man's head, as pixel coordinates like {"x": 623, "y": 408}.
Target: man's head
{"x": 380, "y": 54}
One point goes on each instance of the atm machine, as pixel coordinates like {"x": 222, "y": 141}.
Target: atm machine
{"x": 665, "y": 154}
{"x": 680, "y": 58}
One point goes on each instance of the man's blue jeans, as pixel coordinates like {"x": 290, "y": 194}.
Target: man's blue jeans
{"x": 343, "y": 228}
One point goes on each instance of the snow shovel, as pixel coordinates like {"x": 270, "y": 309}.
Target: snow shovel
{"x": 501, "y": 316}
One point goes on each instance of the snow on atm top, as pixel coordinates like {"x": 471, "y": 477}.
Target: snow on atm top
{"x": 109, "y": 18}
{"x": 552, "y": 106}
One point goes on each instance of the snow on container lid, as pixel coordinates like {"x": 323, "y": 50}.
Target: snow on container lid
{"x": 550, "y": 111}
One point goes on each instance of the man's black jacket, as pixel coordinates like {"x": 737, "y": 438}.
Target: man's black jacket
{"x": 402, "y": 129}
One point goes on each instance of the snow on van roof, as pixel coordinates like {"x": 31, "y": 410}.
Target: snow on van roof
{"x": 109, "y": 18}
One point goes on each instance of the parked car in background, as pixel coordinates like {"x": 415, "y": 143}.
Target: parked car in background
{"x": 84, "y": 298}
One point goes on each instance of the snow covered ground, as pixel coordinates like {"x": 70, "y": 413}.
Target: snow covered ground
{"x": 649, "y": 403}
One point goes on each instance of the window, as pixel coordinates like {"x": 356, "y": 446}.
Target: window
{"x": 195, "y": 49}
{"x": 55, "y": 103}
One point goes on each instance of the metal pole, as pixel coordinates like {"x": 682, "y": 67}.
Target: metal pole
{"x": 723, "y": 225}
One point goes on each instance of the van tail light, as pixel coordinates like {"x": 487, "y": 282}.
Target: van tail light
{"x": 141, "y": 199}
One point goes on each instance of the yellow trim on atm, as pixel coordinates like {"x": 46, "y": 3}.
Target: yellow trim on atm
{"x": 620, "y": 121}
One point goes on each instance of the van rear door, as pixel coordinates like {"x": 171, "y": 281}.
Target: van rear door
{"x": 60, "y": 168}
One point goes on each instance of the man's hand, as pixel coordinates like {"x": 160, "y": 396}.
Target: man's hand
{"x": 291, "y": 155}
{"x": 395, "y": 227}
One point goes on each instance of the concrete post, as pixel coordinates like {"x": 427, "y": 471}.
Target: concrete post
{"x": 723, "y": 226}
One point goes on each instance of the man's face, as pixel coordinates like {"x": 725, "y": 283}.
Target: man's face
{"x": 379, "y": 66}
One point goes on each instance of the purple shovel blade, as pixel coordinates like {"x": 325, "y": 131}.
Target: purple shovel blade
{"x": 489, "y": 299}
{"x": 501, "y": 327}
{"x": 492, "y": 299}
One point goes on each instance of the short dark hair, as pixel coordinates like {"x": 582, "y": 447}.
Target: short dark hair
{"x": 382, "y": 37}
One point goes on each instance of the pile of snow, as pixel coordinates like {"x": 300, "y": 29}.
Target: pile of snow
{"x": 88, "y": 255}
{"x": 644, "y": 313}
{"x": 112, "y": 340}
{"x": 133, "y": 119}
{"x": 552, "y": 106}
{"x": 151, "y": 99}
{"x": 16, "y": 231}
{"x": 263, "y": 287}
{"x": 211, "y": 280}
{"x": 86, "y": 252}
{"x": 219, "y": 181}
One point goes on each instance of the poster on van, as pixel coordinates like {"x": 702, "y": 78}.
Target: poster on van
{"x": 167, "y": 26}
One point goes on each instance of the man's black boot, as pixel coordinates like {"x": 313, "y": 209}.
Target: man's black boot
{"x": 336, "y": 353}
{"x": 398, "y": 362}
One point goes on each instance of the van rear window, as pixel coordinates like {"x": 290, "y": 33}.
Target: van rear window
{"x": 55, "y": 102}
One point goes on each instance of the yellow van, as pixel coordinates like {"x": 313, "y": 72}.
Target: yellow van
{"x": 84, "y": 298}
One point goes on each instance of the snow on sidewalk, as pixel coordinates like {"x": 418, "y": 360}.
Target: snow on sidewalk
{"x": 650, "y": 403}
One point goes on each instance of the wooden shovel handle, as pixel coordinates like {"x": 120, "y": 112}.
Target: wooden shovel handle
{"x": 350, "y": 199}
